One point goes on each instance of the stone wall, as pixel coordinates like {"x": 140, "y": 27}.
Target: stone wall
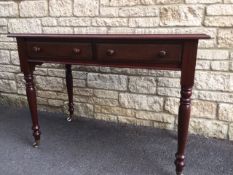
{"x": 135, "y": 96}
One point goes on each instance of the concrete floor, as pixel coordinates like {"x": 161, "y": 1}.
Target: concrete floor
{"x": 89, "y": 147}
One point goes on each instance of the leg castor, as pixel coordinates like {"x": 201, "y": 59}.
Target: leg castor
{"x": 69, "y": 119}
{"x": 36, "y": 143}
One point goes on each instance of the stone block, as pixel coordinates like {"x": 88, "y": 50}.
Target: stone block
{"x": 169, "y": 1}
{"x": 56, "y": 73}
{"x": 212, "y": 81}
{"x": 209, "y": 128}
{"x": 86, "y": 8}
{"x": 106, "y": 101}
{"x": 161, "y": 117}
{"x": 144, "y": 22}
{"x": 143, "y": 102}
{"x": 181, "y": 15}
{"x": 220, "y": 65}
{"x": 55, "y": 103}
{"x": 60, "y": 8}
{"x": 145, "y": 85}
{"x": 123, "y": 3}
{"x": 219, "y": 21}
{"x": 33, "y": 8}
{"x": 4, "y": 57}
{"x": 83, "y": 91}
{"x": 58, "y": 30}
{"x": 106, "y": 117}
{"x": 220, "y": 9}
{"x": 109, "y": 11}
{"x": 105, "y": 94}
{"x": 168, "y": 82}
{"x": 84, "y": 110}
{"x": 49, "y": 21}
{"x": 210, "y": 54}
{"x": 14, "y": 57}
{"x": 74, "y": 22}
{"x": 110, "y": 22}
{"x": 216, "y": 96}
{"x": 8, "y": 9}
{"x": 203, "y": 109}
{"x": 137, "y": 11}
{"x": 49, "y": 83}
{"x": 231, "y": 129}
{"x": 25, "y": 25}
{"x": 118, "y": 111}
{"x": 7, "y": 86}
{"x": 203, "y": 1}
{"x": 107, "y": 81}
{"x": 225, "y": 38}
{"x": 225, "y": 112}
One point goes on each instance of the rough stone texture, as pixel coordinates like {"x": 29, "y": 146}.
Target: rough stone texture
{"x": 225, "y": 112}
{"x": 200, "y": 109}
{"x": 33, "y": 8}
{"x": 145, "y": 85}
{"x": 225, "y": 38}
{"x": 7, "y": 86}
{"x": 218, "y": 9}
{"x": 143, "y": 22}
{"x": 25, "y": 26}
{"x": 135, "y": 96}
{"x": 138, "y": 11}
{"x": 209, "y": 128}
{"x": 60, "y": 7}
{"x": 207, "y": 54}
{"x": 83, "y": 109}
{"x": 219, "y": 21}
{"x": 86, "y": 8}
{"x": 231, "y": 131}
{"x": 105, "y": 81}
{"x": 161, "y": 117}
{"x": 49, "y": 83}
{"x": 143, "y": 102}
{"x": 213, "y": 81}
{"x": 117, "y": 111}
{"x": 181, "y": 15}
{"x": 203, "y": 1}
{"x": 8, "y": 9}
{"x": 106, "y": 94}
{"x": 4, "y": 57}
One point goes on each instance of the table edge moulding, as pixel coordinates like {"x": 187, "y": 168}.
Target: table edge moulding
{"x": 151, "y": 51}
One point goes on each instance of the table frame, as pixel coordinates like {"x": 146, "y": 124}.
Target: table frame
{"x": 187, "y": 68}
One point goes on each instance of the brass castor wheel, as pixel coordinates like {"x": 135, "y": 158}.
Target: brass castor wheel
{"x": 179, "y": 173}
{"x": 36, "y": 144}
{"x": 69, "y": 119}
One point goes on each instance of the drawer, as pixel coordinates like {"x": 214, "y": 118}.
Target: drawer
{"x": 59, "y": 50}
{"x": 163, "y": 53}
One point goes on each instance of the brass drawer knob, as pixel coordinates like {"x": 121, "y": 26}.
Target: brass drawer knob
{"x": 36, "y": 49}
{"x": 162, "y": 53}
{"x": 110, "y": 52}
{"x": 77, "y": 51}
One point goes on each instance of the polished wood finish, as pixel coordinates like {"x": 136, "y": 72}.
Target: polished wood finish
{"x": 154, "y": 53}
{"x": 171, "y": 52}
{"x": 69, "y": 85}
{"x": 67, "y": 50}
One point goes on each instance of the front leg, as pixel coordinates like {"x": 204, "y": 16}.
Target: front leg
{"x": 183, "y": 123}
{"x": 69, "y": 85}
{"x": 31, "y": 96}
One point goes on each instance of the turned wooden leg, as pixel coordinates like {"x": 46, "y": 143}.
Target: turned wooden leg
{"x": 31, "y": 96}
{"x": 69, "y": 85}
{"x": 183, "y": 123}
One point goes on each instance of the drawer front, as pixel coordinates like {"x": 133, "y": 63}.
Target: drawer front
{"x": 159, "y": 53}
{"x": 59, "y": 50}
